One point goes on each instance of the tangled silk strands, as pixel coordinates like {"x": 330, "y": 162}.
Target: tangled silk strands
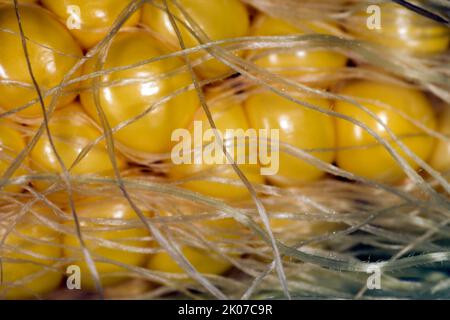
{"x": 401, "y": 230}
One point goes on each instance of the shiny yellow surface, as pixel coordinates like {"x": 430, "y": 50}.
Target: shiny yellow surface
{"x": 19, "y": 1}
{"x": 290, "y": 228}
{"x": 303, "y": 228}
{"x": 72, "y": 131}
{"x": 299, "y": 62}
{"x": 115, "y": 211}
{"x": 11, "y": 143}
{"x": 96, "y": 17}
{"x": 226, "y": 115}
{"x": 151, "y": 133}
{"x": 402, "y": 29}
{"x": 299, "y": 127}
{"x": 219, "y": 19}
{"x": 28, "y": 258}
{"x": 49, "y": 67}
{"x": 373, "y": 161}
{"x": 440, "y": 159}
{"x": 202, "y": 261}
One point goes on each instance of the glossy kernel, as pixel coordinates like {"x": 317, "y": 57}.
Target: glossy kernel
{"x": 300, "y": 62}
{"x": 226, "y": 115}
{"x": 405, "y": 30}
{"x": 72, "y": 131}
{"x": 95, "y": 19}
{"x": 151, "y": 133}
{"x": 203, "y": 261}
{"x": 113, "y": 212}
{"x": 11, "y": 144}
{"x": 24, "y": 1}
{"x": 304, "y": 230}
{"x": 219, "y": 19}
{"x": 299, "y": 127}
{"x": 359, "y": 153}
{"x": 440, "y": 159}
{"x": 30, "y": 267}
{"x": 52, "y": 52}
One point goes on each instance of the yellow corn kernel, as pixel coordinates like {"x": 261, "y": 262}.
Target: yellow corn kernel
{"x": 300, "y": 62}
{"x": 404, "y": 30}
{"x": 114, "y": 213}
{"x": 11, "y": 143}
{"x": 25, "y": 1}
{"x": 203, "y": 261}
{"x": 440, "y": 159}
{"x": 151, "y": 133}
{"x": 30, "y": 255}
{"x": 226, "y": 115}
{"x": 95, "y": 18}
{"x": 219, "y": 19}
{"x": 299, "y": 127}
{"x": 72, "y": 131}
{"x": 303, "y": 229}
{"x": 356, "y": 150}
{"x": 52, "y": 52}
